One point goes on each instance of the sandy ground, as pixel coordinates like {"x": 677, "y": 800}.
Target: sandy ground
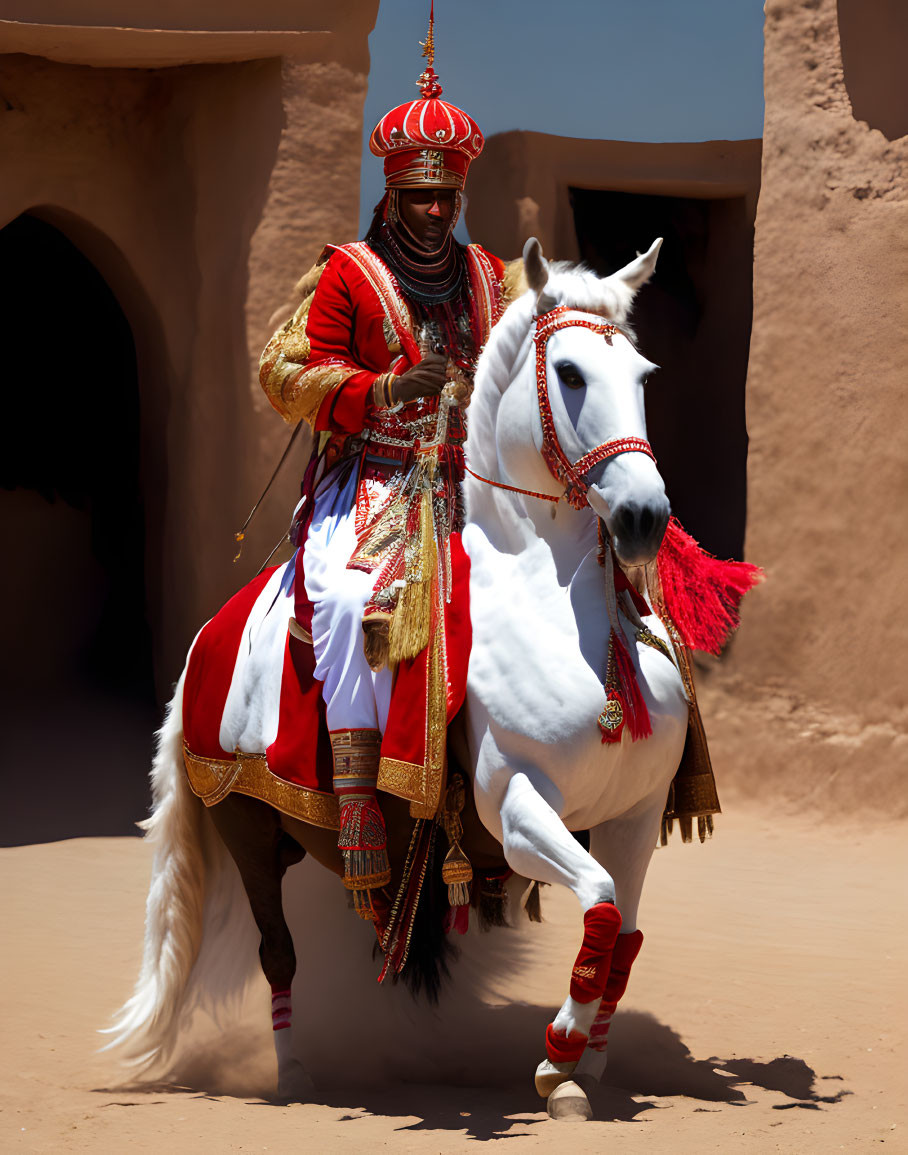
{"x": 766, "y": 1013}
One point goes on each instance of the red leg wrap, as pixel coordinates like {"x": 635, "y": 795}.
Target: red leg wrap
{"x": 563, "y": 1048}
{"x": 626, "y": 950}
{"x": 280, "y": 1008}
{"x": 601, "y": 925}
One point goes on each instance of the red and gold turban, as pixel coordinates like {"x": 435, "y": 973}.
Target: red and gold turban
{"x": 427, "y": 142}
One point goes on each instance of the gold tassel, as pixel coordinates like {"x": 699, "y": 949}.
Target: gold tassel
{"x": 456, "y": 869}
{"x": 411, "y": 625}
{"x": 458, "y": 874}
{"x": 362, "y": 904}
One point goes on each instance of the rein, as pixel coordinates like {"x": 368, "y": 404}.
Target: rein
{"x": 571, "y": 475}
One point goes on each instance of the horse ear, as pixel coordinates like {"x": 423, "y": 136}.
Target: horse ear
{"x": 535, "y": 264}
{"x": 639, "y": 271}
{"x": 537, "y": 274}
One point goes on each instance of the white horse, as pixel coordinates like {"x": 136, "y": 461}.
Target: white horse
{"x": 558, "y": 406}
{"x": 538, "y": 603}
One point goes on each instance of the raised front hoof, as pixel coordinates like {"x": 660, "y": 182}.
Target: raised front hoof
{"x": 550, "y": 1075}
{"x": 294, "y": 1085}
{"x": 568, "y": 1103}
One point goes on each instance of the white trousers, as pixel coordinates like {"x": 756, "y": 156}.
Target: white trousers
{"x": 356, "y": 698}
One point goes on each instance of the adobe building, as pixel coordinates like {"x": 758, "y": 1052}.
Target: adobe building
{"x": 812, "y": 705}
{"x": 163, "y": 186}
{"x": 169, "y": 169}
{"x": 787, "y": 439}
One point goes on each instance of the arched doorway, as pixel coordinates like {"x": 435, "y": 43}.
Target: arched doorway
{"x": 77, "y": 681}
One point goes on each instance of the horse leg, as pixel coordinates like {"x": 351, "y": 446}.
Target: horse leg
{"x": 625, "y": 847}
{"x": 262, "y": 850}
{"x": 538, "y": 845}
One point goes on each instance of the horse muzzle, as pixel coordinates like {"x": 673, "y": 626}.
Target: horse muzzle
{"x": 637, "y": 529}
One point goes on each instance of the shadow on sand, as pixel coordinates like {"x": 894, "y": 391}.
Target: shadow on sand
{"x": 648, "y": 1061}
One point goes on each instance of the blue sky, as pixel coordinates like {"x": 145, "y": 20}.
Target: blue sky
{"x": 647, "y": 70}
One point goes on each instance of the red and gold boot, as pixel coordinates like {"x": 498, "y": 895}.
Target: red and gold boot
{"x": 362, "y": 840}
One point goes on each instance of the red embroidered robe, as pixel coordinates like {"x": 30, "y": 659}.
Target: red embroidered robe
{"x": 357, "y": 326}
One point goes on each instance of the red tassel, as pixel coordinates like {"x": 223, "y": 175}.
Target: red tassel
{"x": 457, "y": 919}
{"x": 702, "y": 594}
{"x": 624, "y": 704}
{"x": 636, "y": 715}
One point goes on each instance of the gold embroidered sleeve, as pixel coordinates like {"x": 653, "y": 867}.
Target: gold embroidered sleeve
{"x": 282, "y": 371}
{"x": 303, "y": 391}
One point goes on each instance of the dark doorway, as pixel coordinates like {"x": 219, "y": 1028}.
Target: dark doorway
{"x": 873, "y": 39}
{"x": 693, "y": 319}
{"x": 78, "y": 698}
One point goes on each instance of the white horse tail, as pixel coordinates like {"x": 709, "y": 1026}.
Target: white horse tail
{"x": 146, "y": 1026}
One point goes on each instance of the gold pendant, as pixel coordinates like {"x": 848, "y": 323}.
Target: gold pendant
{"x": 612, "y": 716}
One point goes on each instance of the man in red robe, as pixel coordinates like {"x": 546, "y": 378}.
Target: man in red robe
{"x": 379, "y": 361}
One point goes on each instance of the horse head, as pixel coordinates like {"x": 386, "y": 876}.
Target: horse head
{"x": 571, "y": 420}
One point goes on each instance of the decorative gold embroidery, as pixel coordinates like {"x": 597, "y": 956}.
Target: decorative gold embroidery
{"x": 436, "y": 726}
{"x": 212, "y": 779}
{"x": 648, "y": 638}
{"x": 486, "y": 288}
{"x": 355, "y": 752}
{"x": 384, "y": 285}
{"x": 584, "y": 972}
{"x": 390, "y": 337}
{"x": 405, "y": 779}
{"x": 288, "y": 350}
{"x": 302, "y": 395}
{"x": 423, "y": 785}
{"x": 295, "y": 346}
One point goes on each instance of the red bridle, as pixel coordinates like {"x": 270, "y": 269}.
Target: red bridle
{"x": 571, "y": 475}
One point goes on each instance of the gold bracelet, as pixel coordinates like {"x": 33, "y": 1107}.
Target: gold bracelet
{"x": 385, "y": 383}
{"x": 378, "y": 391}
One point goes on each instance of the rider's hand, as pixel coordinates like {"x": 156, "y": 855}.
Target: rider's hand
{"x": 427, "y": 379}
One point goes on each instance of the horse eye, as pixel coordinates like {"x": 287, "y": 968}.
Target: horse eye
{"x": 569, "y": 375}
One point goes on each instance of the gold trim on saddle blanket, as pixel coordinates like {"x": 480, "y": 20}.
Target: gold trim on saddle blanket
{"x": 212, "y": 779}
{"x": 423, "y": 785}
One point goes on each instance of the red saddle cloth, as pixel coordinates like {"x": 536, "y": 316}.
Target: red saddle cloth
{"x": 428, "y": 691}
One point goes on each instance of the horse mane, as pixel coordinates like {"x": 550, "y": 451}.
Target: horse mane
{"x": 578, "y": 287}
{"x": 574, "y": 285}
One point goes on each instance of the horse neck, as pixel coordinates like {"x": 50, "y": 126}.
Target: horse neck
{"x": 514, "y": 523}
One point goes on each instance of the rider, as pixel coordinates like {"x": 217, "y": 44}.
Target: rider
{"x": 378, "y": 361}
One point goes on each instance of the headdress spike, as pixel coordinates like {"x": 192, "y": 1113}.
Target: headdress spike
{"x": 428, "y": 45}
{"x": 428, "y": 81}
